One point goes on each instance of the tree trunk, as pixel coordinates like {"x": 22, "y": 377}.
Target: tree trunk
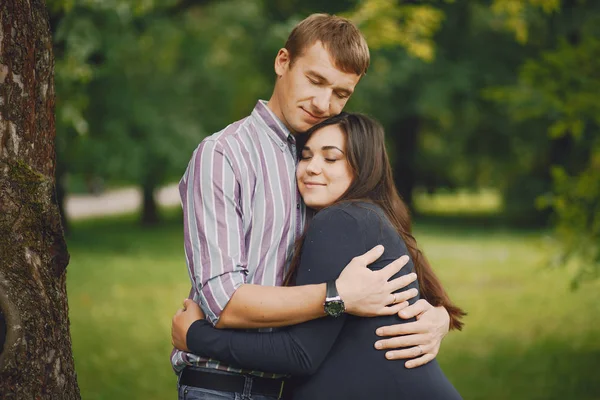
{"x": 405, "y": 133}
{"x": 149, "y": 207}
{"x": 61, "y": 193}
{"x": 36, "y": 360}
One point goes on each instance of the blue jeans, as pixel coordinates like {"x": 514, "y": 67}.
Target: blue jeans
{"x": 195, "y": 393}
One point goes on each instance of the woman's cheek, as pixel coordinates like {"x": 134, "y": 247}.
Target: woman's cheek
{"x": 300, "y": 168}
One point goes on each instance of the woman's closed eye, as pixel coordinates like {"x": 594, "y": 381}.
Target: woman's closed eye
{"x": 305, "y": 157}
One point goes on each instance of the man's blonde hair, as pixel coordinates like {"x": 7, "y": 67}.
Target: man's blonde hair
{"x": 339, "y": 36}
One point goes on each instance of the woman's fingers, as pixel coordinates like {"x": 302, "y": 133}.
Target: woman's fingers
{"x": 411, "y": 352}
{"x": 416, "y": 309}
{"x": 417, "y": 362}
{"x": 400, "y": 342}
{"x": 393, "y": 309}
{"x": 407, "y": 328}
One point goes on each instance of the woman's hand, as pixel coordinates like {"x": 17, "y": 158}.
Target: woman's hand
{"x": 182, "y": 321}
{"x": 419, "y": 340}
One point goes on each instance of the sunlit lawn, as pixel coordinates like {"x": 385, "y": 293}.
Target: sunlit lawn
{"x": 527, "y": 335}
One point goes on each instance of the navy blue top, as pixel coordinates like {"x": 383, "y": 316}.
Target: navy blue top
{"x": 332, "y": 358}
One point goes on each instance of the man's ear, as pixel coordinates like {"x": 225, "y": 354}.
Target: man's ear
{"x": 282, "y": 61}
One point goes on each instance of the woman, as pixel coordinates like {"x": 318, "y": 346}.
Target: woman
{"x": 344, "y": 174}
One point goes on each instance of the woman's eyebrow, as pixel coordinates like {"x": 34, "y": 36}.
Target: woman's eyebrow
{"x": 331, "y": 148}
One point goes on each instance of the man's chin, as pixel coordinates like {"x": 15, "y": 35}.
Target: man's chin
{"x": 303, "y": 126}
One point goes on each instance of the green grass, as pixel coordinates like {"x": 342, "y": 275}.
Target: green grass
{"x": 459, "y": 202}
{"x": 527, "y": 336}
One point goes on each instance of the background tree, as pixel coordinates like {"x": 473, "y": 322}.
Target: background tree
{"x": 140, "y": 84}
{"x": 124, "y": 101}
{"x": 35, "y": 353}
{"x": 555, "y": 110}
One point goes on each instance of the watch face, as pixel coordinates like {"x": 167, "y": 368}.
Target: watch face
{"x": 335, "y": 308}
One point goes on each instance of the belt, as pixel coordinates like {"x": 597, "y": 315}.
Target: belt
{"x": 232, "y": 383}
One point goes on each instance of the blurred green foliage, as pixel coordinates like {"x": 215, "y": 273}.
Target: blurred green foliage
{"x": 554, "y": 104}
{"x": 499, "y": 94}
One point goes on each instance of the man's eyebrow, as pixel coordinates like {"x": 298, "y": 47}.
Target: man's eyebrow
{"x": 317, "y": 75}
{"x": 347, "y": 92}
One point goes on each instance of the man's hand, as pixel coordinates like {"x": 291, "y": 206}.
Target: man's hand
{"x": 182, "y": 321}
{"x": 421, "y": 338}
{"x": 368, "y": 293}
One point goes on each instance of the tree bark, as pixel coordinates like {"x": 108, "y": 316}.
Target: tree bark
{"x": 61, "y": 194}
{"x": 36, "y": 361}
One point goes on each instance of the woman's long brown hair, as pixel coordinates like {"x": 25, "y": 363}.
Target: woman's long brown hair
{"x": 373, "y": 182}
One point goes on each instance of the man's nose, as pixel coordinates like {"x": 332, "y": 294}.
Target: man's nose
{"x": 321, "y": 102}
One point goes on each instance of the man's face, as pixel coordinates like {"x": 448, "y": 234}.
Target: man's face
{"x": 311, "y": 89}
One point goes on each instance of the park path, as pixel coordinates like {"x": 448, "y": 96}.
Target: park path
{"x": 113, "y": 202}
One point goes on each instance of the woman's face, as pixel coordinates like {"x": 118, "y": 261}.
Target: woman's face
{"x": 323, "y": 172}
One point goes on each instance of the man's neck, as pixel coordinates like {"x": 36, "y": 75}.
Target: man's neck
{"x": 273, "y": 105}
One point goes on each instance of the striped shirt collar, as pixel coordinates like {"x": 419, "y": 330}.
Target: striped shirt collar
{"x": 276, "y": 129}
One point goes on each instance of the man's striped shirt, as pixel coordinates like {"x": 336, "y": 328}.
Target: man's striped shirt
{"x": 242, "y": 214}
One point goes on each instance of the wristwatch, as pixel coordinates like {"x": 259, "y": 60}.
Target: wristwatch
{"x": 334, "y": 305}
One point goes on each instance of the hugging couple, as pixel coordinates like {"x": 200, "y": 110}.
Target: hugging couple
{"x": 307, "y": 282}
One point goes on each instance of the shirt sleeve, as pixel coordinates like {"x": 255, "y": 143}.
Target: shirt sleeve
{"x": 331, "y": 242}
{"x": 213, "y": 228}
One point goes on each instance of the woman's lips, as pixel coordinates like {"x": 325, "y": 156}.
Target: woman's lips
{"x": 313, "y": 184}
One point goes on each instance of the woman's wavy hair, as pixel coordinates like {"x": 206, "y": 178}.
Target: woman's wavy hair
{"x": 373, "y": 182}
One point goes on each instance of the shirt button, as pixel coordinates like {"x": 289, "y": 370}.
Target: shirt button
{"x": 298, "y": 206}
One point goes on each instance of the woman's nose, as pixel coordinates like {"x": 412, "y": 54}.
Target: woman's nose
{"x": 313, "y": 167}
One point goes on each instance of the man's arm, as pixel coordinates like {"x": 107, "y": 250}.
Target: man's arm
{"x": 255, "y": 306}
{"x": 213, "y": 230}
{"x": 216, "y": 254}
{"x": 365, "y": 293}
{"x": 298, "y": 349}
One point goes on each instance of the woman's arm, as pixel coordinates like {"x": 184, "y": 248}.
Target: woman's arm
{"x": 333, "y": 239}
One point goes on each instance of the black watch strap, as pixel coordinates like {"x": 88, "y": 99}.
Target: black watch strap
{"x": 331, "y": 290}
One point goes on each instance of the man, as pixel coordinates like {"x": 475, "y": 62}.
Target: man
{"x": 243, "y": 213}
